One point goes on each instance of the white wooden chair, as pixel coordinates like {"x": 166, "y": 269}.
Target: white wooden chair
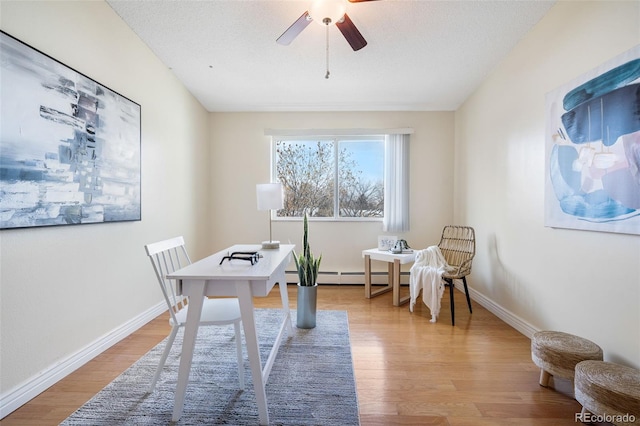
{"x": 168, "y": 256}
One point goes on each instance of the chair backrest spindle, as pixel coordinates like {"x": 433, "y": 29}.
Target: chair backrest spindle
{"x": 166, "y": 257}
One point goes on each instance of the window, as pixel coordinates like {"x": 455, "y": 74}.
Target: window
{"x": 336, "y": 177}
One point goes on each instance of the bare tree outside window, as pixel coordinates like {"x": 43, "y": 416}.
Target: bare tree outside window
{"x": 361, "y": 171}
{"x": 306, "y": 171}
{"x": 331, "y": 178}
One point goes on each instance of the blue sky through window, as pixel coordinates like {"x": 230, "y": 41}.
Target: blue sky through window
{"x": 369, "y": 154}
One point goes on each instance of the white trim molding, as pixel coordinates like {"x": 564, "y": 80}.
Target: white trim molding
{"x": 26, "y": 391}
{"x": 505, "y": 315}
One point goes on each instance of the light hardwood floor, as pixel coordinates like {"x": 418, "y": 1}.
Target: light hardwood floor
{"x": 408, "y": 370}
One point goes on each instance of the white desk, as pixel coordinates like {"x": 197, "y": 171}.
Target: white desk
{"x": 234, "y": 278}
{"x": 394, "y": 260}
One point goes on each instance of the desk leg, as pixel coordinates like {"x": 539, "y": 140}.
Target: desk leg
{"x": 245, "y": 298}
{"x": 196, "y": 300}
{"x": 284, "y": 296}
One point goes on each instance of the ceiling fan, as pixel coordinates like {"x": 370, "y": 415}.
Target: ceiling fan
{"x": 327, "y": 12}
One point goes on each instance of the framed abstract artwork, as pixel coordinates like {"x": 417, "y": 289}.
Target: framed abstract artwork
{"x": 69, "y": 146}
{"x": 593, "y": 149}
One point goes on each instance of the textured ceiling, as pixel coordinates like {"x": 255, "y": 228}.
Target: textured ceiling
{"x": 422, "y": 55}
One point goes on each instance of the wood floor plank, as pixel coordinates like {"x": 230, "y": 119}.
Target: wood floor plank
{"x": 513, "y": 421}
{"x": 382, "y": 420}
{"x": 408, "y": 370}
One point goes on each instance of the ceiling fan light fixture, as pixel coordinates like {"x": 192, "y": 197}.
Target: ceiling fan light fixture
{"x": 327, "y": 12}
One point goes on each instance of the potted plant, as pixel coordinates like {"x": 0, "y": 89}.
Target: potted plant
{"x": 307, "y": 265}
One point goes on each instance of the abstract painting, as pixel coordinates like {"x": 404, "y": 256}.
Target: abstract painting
{"x": 69, "y": 146}
{"x": 593, "y": 149}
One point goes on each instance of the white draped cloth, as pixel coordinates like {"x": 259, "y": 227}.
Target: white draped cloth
{"x": 426, "y": 275}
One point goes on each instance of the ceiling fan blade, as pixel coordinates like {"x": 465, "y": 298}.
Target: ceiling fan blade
{"x": 351, "y": 33}
{"x": 296, "y": 28}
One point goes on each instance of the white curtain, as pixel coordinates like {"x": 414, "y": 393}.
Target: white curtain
{"x": 396, "y": 188}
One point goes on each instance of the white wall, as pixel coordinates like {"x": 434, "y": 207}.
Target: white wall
{"x": 586, "y": 283}
{"x": 240, "y": 160}
{"x": 62, "y": 288}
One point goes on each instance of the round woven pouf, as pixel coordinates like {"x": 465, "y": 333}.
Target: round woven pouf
{"x": 610, "y": 391}
{"x": 557, "y": 353}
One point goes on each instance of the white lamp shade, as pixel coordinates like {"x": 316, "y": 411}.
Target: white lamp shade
{"x": 270, "y": 196}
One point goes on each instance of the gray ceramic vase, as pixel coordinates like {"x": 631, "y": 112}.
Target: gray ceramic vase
{"x": 307, "y": 301}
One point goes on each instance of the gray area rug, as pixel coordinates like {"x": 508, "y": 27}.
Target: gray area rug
{"x": 311, "y": 382}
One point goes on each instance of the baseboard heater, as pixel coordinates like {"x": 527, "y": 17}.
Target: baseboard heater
{"x": 349, "y": 278}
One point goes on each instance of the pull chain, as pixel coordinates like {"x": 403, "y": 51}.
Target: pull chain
{"x": 327, "y": 21}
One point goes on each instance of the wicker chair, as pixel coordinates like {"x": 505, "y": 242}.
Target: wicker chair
{"x": 458, "y": 246}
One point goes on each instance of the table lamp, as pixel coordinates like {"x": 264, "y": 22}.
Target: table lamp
{"x": 270, "y": 197}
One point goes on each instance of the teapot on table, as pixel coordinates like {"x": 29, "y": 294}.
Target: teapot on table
{"x": 399, "y": 247}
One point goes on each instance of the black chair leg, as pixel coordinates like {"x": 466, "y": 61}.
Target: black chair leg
{"x": 466, "y": 291}
{"x": 453, "y": 314}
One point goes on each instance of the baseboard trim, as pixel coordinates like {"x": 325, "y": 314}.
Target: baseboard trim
{"x": 504, "y": 314}
{"x": 23, "y": 393}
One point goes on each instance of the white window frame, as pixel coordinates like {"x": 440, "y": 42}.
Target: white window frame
{"x": 398, "y": 220}
{"x": 335, "y": 138}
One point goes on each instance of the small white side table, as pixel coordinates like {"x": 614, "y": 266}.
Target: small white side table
{"x": 394, "y": 260}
